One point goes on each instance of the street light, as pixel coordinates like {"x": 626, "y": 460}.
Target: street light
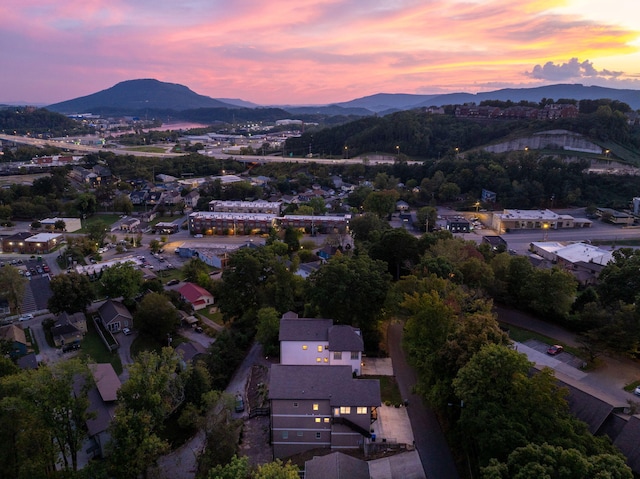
{"x": 545, "y": 228}
{"x": 398, "y": 151}
{"x": 346, "y": 152}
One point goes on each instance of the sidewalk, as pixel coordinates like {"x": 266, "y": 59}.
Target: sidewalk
{"x": 612, "y": 374}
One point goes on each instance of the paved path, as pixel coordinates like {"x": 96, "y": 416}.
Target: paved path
{"x": 612, "y": 374}
{"x": 431, "y": 444}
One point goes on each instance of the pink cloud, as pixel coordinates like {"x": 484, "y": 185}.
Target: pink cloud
{"x": 281, "y": 51}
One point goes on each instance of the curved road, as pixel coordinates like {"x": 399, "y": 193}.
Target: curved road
{"x": 431, "y": 444}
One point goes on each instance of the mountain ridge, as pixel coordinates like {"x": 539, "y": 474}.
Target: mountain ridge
{"x": 135, "y": 96}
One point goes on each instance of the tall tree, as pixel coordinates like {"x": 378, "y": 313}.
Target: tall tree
{"x": 156, "y": 317}
{"x": 72, "y": 292}
{"x": 351, "y": 290}
{"x": 122, "y": 279}
{"x": 12, "y": 286}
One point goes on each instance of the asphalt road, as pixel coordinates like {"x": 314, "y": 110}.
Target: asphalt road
{"x": 431, "y": 444}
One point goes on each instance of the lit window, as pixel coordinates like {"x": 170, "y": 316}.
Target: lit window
{"x": 355, "y": 355}
{"x": 318, "y": 419}
{"x": 316, "y": 407}
{"x": 336, "y": 411}
{"x": 361, "y": 410}
{"x": 318, "y": 360}
{"x": 337, "y": 355}
{"x": 304, "y": 347}
{"x": 345, "y": 410}
{"x": 326, "y": 419}
{"x": 326, "y": 360}
{"x": 319, "y": 349}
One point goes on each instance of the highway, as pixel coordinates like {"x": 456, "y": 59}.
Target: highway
{"x": 220, "y": 154}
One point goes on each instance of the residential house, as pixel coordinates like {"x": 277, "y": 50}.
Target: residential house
{"x": 130, "y": 224}
{"x": 191, "y": 199}
{"x": 190, "y": 351}
{"x": 154, "y": 198}
{"x": 14, "y": 334}
{"x": 102, "y": 405}
{"x": 197, "y": 296}
{"x": 69, "y": 328}
{"x": 115, "y": 316}
{"x": 138, "y": 197}
{"x": 28, "y": 361}
{"x": 172, "y": 197}
{"x": 497, "y": 243}
{"x": 314, "y": 407}
{"x": 313, "y": 341}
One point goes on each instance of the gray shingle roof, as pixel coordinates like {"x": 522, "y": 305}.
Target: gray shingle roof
{"x": 110, "y": 310}
{"x": 335, "y": 383}
{"x": 304, "y": 329}
{"x": 336, "y": 466}
{"x": 345, "y": 338}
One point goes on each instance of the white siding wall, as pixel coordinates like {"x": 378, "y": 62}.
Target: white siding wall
{"x": 346, "y": 360}
{"x": 292, "y": 352}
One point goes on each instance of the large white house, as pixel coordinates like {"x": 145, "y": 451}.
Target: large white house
{"x": 316, "y": 341}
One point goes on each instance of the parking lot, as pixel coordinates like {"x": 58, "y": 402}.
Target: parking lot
{"x": 563, "y": 356}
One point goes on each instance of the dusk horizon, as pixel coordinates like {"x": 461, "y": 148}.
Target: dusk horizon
{"x": 329, "y": 51}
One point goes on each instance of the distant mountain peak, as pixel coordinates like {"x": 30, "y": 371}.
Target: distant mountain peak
{"x": 141, "y": 94}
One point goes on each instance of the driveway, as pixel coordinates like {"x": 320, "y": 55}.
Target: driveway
{"x": 431, "y": 444}
{"x": 612, "y": 374}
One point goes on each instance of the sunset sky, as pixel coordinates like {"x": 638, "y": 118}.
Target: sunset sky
{"x": 314, "y": 51}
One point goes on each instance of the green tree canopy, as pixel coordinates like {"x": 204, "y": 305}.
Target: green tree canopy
{"x": 351, "y": 290}
{"x": 122, "y": 279}
{"x": 156, "y": 317}
{"x": 12, "y": 286}
{"x": 72, "y": 292}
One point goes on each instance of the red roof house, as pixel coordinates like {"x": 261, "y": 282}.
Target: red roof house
{"x": 197, "y": 296}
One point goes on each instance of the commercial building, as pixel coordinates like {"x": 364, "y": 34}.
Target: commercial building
{"x": 534, "y": 219}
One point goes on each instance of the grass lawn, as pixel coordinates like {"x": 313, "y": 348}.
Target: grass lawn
{"x": 389, "y": 390}
{"x": 93, "y": 347}
{"x": 147, "y": 343}
{"x": 167, "y": 275}
{"x": 107, "y": 219}
{"x": 215, "y": 317}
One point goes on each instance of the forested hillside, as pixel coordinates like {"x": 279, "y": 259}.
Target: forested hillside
{"x": 421, "y": 135}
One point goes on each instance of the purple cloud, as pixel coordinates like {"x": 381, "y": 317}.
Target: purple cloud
{"x": 571, "y": 70}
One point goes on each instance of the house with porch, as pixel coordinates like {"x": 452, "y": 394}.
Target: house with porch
{"x": 198, "y": 297}
{"x": 69, "y": 328}
{"x": 15, "y": 336}
{"x": 320, "y": 407}
{"x": 115, "y": 316}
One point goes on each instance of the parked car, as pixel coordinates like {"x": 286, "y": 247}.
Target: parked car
{"x": 555, "y": 350}
{"x": 636, "y": 391}
{"x": 126, "y": 331}
{"x": 70, "y": 347}
{"x": 173, "y": 282}
{"x": 25, "y": 317}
